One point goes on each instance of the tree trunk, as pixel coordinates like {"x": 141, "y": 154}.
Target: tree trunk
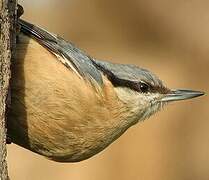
{"x": 7, "y": 40}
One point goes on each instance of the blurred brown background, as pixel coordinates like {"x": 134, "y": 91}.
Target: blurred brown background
{"x": 171, "y": 38}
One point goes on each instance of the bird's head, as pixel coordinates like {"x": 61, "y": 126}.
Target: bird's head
{"x": 142, "y": 92}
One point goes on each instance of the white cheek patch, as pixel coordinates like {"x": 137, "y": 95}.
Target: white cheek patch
{"x": 140, "y": 105}
{"x": 152, "y": 105}
{"x": 150, "y": 111}
{"x": 126, "y": 95}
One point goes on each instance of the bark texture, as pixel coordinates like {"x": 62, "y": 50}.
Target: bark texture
{"x": 7, "y": 40}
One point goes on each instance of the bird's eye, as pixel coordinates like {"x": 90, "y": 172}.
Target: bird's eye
{"x": 143, "y": 87}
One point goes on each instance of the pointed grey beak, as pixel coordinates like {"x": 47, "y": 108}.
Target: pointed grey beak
{"x": 181, "y": 94}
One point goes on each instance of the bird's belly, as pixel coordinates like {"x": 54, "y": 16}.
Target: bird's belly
{"x": 54, "y": 112}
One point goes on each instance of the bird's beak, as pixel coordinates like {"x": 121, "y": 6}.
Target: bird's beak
{"x": 181, "y": 94}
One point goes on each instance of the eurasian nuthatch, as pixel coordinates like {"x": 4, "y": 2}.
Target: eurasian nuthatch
{"x": 68, "y": 106}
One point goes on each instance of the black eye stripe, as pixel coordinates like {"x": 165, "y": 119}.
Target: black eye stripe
{"x": 139, "y": 86}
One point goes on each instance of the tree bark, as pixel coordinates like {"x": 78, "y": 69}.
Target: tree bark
{"x": 7, "y": 42}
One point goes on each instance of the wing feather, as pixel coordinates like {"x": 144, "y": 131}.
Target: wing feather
{"x": 67, "y": 53}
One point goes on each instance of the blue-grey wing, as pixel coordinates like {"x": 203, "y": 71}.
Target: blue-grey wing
{"x": 70, "y": 54}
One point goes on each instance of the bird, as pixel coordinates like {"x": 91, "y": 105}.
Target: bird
{"x": 69, "y": 106}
